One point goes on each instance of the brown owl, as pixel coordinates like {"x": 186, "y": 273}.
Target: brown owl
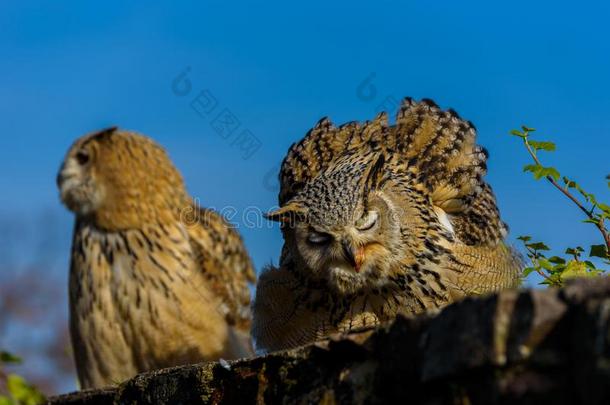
{"x": 379, "y": 220}
{"x": 155, "y": 281}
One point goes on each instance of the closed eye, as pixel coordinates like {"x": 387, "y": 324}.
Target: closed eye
{"x": 367, "y": 221}
{"x": 318, "y": 238}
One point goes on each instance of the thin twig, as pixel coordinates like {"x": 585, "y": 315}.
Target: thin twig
{"x": 599, "y": 224}
{"x": 547, "y": 278}
{"x": 535, "y": 262}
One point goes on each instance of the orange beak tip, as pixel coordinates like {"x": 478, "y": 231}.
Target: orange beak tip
{"x": 359, "y": 259}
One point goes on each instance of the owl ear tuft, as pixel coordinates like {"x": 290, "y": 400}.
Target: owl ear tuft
{"x": 375, "y": 174}
{"x": 287, "y": 213}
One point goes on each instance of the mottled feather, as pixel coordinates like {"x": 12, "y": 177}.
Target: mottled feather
{"x": 155, "y": 281}
{"x": 438, "y": 235}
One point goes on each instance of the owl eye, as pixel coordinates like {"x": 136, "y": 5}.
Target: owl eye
{"x": 82, "y": 157}
{"x": 318, "y": 238}
{"x": 367, "y": 221}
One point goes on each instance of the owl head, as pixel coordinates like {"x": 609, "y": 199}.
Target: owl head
{"x": 344, "y": 227}
{"x": 119, "y": 179}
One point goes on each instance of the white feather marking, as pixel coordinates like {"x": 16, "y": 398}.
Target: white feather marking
{"x": 443, "y": 218}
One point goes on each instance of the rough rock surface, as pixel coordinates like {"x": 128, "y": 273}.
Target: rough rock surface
{"x": 531, "y": 346}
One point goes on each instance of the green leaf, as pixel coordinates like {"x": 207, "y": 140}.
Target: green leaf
{"x": 588, "y": 196}
{"x": 572, "y": 184}
{"x": 553, "y": 280}
{"x": 590, "y": 265}
{"x": 598, "y": 251}
{"x": 545, "y": 264}
{"x": 550, "y": 172}
{"x": 541, "y": 171}
{"x": 557, "y": 260}
{"x": 6, "y": 401}
{"x": 517, "y": 133}
{"x": 574, "y": 269}
{"x": 537, "y": 246}
{"x": 577, "y": 187}
{"x": 527, "y": 271}
{"x": 6, "y": 357}
{"x": 524, "y": 238}
{"x": 604, "y": 207}
{"x": 527, "y": 129}
{"x": 546, "y": 146}
{"x": 574, "y": 251}
{"x": 22, "y": 391}
{"x": 532, "y": 168}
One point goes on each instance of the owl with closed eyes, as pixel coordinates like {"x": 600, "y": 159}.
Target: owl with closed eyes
{"x": 380, "y": 220}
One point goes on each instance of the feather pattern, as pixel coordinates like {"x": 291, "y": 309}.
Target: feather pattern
{"x": 438, "y": 237}
{"x": 155, "y": 281}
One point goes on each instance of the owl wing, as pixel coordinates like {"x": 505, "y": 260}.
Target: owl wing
{"x": 224, "y": 261}
{"x": 281, "y": 320}
{"x": 427, "y": 146}
{"x": 442, "y": 156}
{"x": 484, "y": 269}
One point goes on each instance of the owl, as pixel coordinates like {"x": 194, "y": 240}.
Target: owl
{"x": 380, "y": 220}
{"x": 155, "y": 281}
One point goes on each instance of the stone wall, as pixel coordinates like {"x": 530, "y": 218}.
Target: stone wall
{"x": 532, "y": 346}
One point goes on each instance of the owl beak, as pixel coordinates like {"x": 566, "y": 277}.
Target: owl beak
{"x": 353, "y": 255}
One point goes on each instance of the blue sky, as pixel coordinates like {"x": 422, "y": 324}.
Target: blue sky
{"x": 70, "y": 67}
